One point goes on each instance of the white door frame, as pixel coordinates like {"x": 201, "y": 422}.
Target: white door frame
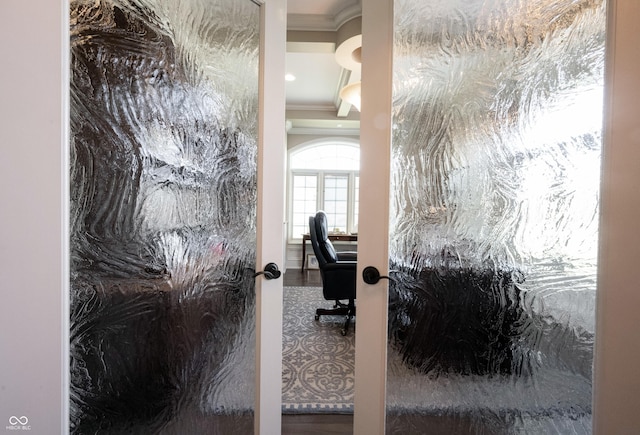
{"x": 34, "y": 89}
{"x": 373, "y": 225}
{"x": 617, "y": 352}
{"x": 271, "y": 234}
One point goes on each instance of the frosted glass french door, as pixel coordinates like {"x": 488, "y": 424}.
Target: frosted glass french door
{"x": 176, "y": 203}
{"x": 480, "y": 202}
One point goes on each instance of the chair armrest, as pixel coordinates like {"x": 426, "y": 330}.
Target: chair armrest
{"x": 347, "y": 256}
{"x": 340, "y": 265}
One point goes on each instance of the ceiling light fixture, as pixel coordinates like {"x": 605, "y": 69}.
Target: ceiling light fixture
{"x": 348, "y": 55}
{"x": 289, "y": 77}
{"x": 351, "y": 94}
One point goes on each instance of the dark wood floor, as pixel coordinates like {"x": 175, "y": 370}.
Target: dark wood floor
{"x": 297, "y": 424}
{"x": 295, "y": 278}
{"x": 310, "y": 424}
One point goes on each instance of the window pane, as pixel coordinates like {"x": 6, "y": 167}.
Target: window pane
{"x": 335, "y": 201}
{"x": 305, "y": 181}
{"x": 337, "y": 196}
{"x": 327, "y": 157}
{"x": 303, "y": 203}
{"x": 298, "y": 192}
{"x": 329, "y": 182}
{"x": 329, "y": 193}
{"x": 329, "y": 209}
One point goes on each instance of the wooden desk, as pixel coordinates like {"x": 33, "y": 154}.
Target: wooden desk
{"x": 332, "y": 237}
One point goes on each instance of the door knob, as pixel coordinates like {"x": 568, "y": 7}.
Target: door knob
{"x": 270, "y": 271}
{"x": 371, "y": 275}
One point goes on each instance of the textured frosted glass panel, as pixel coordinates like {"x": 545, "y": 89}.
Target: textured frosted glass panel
{"x": 163, "y": 192}
{"x": 495, "y": 170}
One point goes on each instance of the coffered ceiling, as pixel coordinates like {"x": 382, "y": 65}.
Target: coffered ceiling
{"x": 313, "y": 102}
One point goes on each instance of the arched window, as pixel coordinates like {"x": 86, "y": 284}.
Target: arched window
{"x": 324, "y": 175}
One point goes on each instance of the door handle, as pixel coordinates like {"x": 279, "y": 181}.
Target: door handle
{"x": 270, "y": 271}
{"x": 371, "y": 275}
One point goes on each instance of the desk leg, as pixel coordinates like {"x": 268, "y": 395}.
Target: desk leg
{"x": 304, "y": 254}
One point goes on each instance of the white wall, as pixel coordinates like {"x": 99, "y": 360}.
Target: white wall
{"x": 32, "y": 262}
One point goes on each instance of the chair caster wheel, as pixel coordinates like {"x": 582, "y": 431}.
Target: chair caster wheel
{"x": 317, "y": 317}
{"x": 343, "y": 332}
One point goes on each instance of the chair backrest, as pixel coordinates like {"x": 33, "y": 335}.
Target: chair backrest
{"x": 322, "y": 246}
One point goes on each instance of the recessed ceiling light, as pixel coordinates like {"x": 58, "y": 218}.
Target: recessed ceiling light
{"x": 289, "y": 77}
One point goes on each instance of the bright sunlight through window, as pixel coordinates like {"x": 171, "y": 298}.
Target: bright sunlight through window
{"x": 324, "y": 176}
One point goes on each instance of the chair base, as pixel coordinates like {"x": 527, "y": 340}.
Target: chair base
{"x": 339, "y": 309}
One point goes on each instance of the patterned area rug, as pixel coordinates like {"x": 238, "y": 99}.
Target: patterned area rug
{"x": 318, "y": 362}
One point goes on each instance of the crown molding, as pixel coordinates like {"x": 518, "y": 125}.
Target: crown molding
{"x": 347, "y": 14}
{"x": 311, "y": 107}
{"x": 326, "y": 22}
{"x": 321, "y": 122}
{"x": 311, "y": 22}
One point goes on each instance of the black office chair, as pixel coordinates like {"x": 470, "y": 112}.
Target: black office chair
{"x": 337, "y": 269}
